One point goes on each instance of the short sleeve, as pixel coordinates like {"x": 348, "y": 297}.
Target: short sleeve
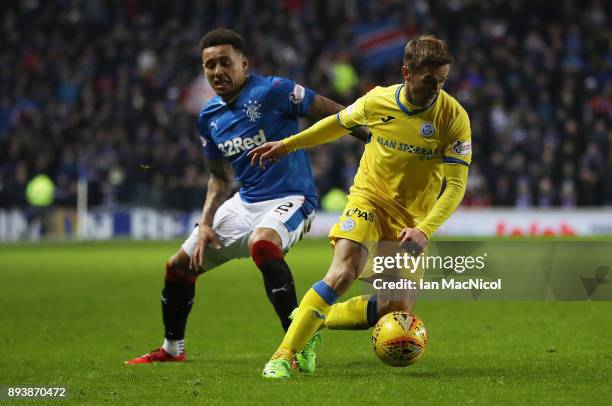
{"x": 210, "y": 149}
{"x": 458, "y": 149}
{"x": 354, "y": 115}
{"x": 289, "y": 97}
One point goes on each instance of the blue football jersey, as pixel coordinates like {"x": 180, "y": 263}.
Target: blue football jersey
{"x": 267, "y": 109}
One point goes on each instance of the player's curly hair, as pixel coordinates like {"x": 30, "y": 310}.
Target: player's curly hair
{"x": 426, "y": 51}
{"x": 222, "y": 36}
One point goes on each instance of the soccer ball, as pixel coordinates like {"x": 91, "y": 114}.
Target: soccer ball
{"x": 399, "y": 339}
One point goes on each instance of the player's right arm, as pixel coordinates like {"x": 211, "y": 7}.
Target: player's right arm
{"x": 323, "y": 107}
{"x": 322, "y": 132}
{"x": 219, "y": 185}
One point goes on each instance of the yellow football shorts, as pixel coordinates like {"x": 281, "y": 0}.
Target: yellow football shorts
{"x": 368, "y": 224}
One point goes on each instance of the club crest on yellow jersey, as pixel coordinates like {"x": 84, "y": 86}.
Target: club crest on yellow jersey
{"x": 427, "y": 129}
{"x": 347, "y": 225}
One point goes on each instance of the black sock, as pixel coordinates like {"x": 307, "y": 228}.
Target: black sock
{"x": 177, "y": 300}
{"x": 280, "y": 288}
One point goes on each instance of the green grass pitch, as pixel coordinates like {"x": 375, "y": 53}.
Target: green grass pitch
{"x": 72, "y": 313}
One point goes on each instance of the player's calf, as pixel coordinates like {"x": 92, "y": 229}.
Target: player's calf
{"x": 277, "y": 278}
{"x": 177, "y": 300}
{"x": 347, "y": 263}
{"x": 357, "y": 313}
{"x": 317, "y": 301}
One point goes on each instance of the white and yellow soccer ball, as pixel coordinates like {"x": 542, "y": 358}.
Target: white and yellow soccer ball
{"x": 399, "y": 339}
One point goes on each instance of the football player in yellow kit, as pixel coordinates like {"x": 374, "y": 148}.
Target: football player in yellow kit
{"x": 420, "y": 135}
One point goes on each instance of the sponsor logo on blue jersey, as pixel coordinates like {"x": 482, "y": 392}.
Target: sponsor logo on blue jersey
{"x": 238, "y": 145}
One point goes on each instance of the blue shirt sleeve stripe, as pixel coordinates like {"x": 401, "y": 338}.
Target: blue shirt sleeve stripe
{"x": 452, "y": 160}
{"x": 340, "y": 122}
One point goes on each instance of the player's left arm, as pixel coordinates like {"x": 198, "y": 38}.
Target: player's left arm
{"x": 456, "y": 179}
{"x": 415, "y": 240}
{"x": 456, "y": 162}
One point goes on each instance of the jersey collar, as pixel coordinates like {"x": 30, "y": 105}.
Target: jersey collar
{"x": 406, "y": 109}
{"x": 233, "y": 99}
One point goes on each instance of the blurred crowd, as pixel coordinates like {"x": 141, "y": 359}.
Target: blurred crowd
{"x": 109, "y": 91}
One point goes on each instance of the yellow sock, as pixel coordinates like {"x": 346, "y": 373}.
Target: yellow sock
{"x": 310, "y": 315}
{"x": 352, "y": 314}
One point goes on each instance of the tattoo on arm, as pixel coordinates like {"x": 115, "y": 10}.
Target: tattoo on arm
{"x": 219, "y": 186}
{"x": 323, "y": 107}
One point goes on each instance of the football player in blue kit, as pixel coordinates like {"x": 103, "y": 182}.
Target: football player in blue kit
{"x": 273, "y": 208}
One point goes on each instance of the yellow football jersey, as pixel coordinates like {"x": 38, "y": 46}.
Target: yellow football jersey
{"x": 401, "y": 169}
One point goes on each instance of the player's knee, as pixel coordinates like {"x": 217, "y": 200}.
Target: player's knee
{"x": 266, "y": 234}
{"x": 264, "y": 251}
{"x": 177, "y": 271}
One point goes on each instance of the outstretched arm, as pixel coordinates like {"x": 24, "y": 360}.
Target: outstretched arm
{"x": 321, "y": 132}
{"x": 323, "y": 107}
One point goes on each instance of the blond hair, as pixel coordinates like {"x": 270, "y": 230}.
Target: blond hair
{"x": 424, "y": 51}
